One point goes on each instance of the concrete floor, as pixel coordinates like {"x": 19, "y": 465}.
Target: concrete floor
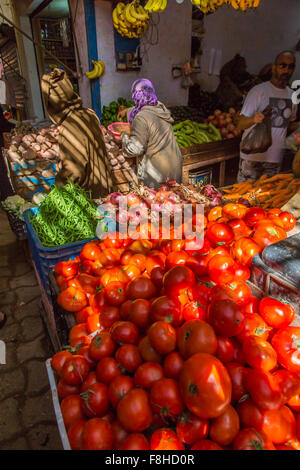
{"x": 27, "y": 419}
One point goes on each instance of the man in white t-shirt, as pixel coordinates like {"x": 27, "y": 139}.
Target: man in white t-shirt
{"x": 276, "y": 94}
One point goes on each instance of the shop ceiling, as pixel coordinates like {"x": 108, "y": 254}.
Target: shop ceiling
{"x": 49, "y": 8}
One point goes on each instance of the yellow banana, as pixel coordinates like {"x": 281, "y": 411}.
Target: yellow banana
{"x": 139, "y": 13}
{"x": 101, "y": 67}
{"x": 149, "y": 5}
{"x": 94, "y": 73}
{"x": 115, "y": 16}
{"x": 163, "y": 5}
{"x": 120, "y": 7}
{"x": 127, "y": 13}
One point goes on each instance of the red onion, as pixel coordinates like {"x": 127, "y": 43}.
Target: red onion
{"x": 132, "y": 199}
{"x": 244, "y": 201}
{"x": 114, "y": 198}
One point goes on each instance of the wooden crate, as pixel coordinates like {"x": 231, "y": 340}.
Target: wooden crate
{"x": 211, "y": 153}
{"x": 123, "y": 179}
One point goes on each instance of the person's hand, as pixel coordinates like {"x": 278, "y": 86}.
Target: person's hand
{"x": 121, "y": 114}
{"x": 258, "y": 117}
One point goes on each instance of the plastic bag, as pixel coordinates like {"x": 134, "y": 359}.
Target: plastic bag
{"x": 259, "y": 139}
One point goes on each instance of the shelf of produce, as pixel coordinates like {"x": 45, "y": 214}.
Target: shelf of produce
{"x": 204, "y": 155}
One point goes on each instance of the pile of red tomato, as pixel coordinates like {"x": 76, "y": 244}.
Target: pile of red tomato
{"x": 171, "y": 351}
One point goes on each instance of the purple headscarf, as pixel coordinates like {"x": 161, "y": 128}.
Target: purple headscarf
{"x": 143, "y": 94}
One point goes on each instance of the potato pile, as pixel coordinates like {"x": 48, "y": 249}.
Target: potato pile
{"x": 36, "y": 144}
{"x": 225, "y": 122}
{"x": 114, "y": 151}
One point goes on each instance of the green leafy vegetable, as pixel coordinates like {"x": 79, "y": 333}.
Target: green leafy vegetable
{"x": 66, "y": 215}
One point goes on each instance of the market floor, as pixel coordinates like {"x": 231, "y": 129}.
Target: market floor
{"x": 27, "y": 419}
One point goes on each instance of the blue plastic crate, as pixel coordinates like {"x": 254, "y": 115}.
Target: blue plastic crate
{"x": 46, "y": 258}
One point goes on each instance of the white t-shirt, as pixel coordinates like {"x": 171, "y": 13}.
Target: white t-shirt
{"x": 283, "y": 112}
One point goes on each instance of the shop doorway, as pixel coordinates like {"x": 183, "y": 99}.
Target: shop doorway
{"x": 52, "y": 28}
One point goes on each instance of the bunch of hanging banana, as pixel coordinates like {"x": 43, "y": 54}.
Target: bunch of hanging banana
{"x": 156, "y": 6}
{"x": 130, "y": 20}
{"x": 98, "y": 70}
{"x": 208, "y": 6}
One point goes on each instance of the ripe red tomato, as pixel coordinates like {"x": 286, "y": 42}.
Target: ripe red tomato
{"x": 276, "y": 313}
{"x": 90, "y": 380}
{"x": 166, "y": 309}
{"x": 250, "y": 439}
{"x": 190, "y": 428}
{"x": 124, "y": 309}
{"x": 234, "y": 210}
{"x": 147, "y": 374}
{"x": 206, "y": 444}
{"x": 139, "y": 312}
{"x": 108, "y": 316}
{"x": 58, "y": 360}
{"x": 95, "y": 400}
{"x": 224, "y": 429}
{"x": 67, "y": 268}
{"x": 219, "y": 233}
{"x": 75, "y": 370}
{"x": 225, "y": 350}
{"x": 120, "y": 434}
{"x": 75, "y": 433}
{"x": 241, "y": 272}
{"x": 259, "y": 353}
{"x": 97, "y": 435}
{"x": 72, "y": 299}
{"x": 239, "y": 228}
{"x": 289, "y": 383}
{"x": 253, "y": 215}
{"x": 98, "y": 301}
{"x": 64, "y": 389}
{"x": 286, "y": 344}
{"x": 134, "y": 411}
{"x": 129, "y": 357}
{"x": 135, "y": 441}
{"x": 263, "y": 388}
{"x": 196, "y": 336}
{"x": 254, "y": 325}
{"x": 115, "y": 293}
{"x": 71, "y": 409}
{"x": 176, "y": 258}
{"x": 118, "y": 388}
{"x": 193, "y": 311}
{"x": 124, "y": 332}
{"x": 147, "y": 352}
{"x": 236, "y": 372}
{"x": 226, "y": 318}
{"x": 268, "y": 234}
{"x": 156, "y": 276}
{"x": 200, "y": 292}
{"x": 237, "y": 291}
{"x": 221, "y": 269}
{"x": 155, "y": 259}
{"x": 90, "y": 251}
{"x": 101, "y": 346}
{"x": 244, "y": 249}
{"x": 162, "y": 337}
{"x": 165, "y": 439}
{"x": 107, "y": 369}
{"x": 205, "y": 386}
{"x": 288, "y": 220}
{"x": 165, "y": 398}
{"x": 197, "y": 263}
{"x": 177, "y": 279}
{"x": 172, "y": 365}
{"x": 252, "y": 305}
{"x": 141, "y": 288}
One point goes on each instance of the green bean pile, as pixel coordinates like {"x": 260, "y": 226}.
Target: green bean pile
{"x": 66, "y": 215}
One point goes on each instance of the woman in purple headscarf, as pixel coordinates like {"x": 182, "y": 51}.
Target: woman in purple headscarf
{"x": 151, "y": 137}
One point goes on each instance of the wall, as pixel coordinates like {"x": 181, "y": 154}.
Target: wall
{"x": 258, "y": 35}
{"x": 174, "y": 45}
